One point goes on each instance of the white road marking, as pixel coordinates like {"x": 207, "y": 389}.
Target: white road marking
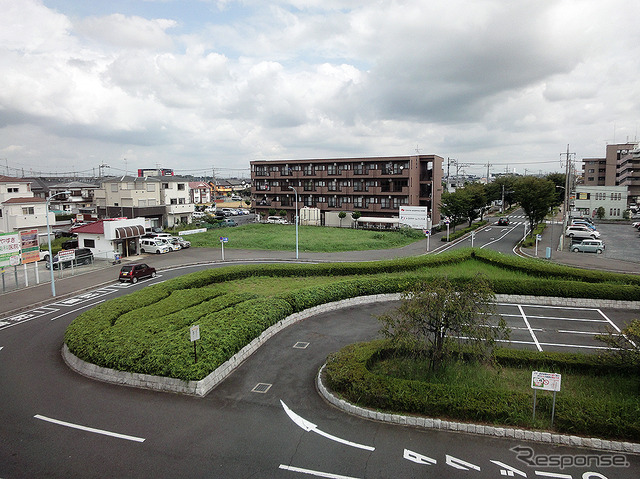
{"x": 508, "y": 470}
{"x": 524, "y": 317}
{"x": 314, "y": 473}
{"x": 553, "y": 474}
{"x": 558, "y": 318}
{"x": 75, "y": 310}
{"x": 310, "y": 427}
{"x": 460, "y": 464}
{"x": 418, "y": 458}
{"x": 89, "y": 429}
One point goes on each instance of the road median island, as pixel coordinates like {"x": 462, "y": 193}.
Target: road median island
{"x": 146, "y": 334}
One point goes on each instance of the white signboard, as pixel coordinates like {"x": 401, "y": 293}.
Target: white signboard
{"x": 192, "y": 232}
{"x": 416, "y": 217}
{"x": 66, "y": 255}
{"x": 545, "y": 381}
{"x": 10, "y": 247}
{"x": 194, "y": 331}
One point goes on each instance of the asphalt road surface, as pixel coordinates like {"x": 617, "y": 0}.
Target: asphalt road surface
{"x": 266, "y": 420}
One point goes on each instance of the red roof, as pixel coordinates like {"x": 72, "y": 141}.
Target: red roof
{"x": 97, "y": 227}
{"x": 28, "y": 199}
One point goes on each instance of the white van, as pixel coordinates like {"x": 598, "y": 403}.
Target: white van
{"x": 152, "y": 245}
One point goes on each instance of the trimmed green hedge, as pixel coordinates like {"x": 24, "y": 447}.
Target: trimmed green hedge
{"x": 347, "y": 372}
{"x": 148, "y": 331}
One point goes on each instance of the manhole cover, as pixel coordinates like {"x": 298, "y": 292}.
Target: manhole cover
{"x": 301, "y": 345}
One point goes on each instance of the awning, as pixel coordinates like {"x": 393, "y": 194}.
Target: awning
{"x": 129, "y": 232}
{"x": 373, "y": 219}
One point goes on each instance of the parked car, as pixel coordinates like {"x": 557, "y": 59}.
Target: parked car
{"x": 228, "y": 222}
{"x": 589, "y": 246}
{"x": 636, "y": 225}
{"x": 582, "y": 218}
{"x": 135, "y": 271}
{"x": 585, "y": 223}
{"x": 82, "y": 256}
{"x": 199, "y": 214}
{"x": 581, "y": 231}
{"x": 153, "y": 229}
{"x": 153, "y": 245}
{"x": 236, "y": 198}
{"x": 277, "y": 220}
{"x": 183, "y": 243}
{"x": 503, "y": 221}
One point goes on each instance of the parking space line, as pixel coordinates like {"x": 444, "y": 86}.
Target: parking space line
{"x": 524, "y": 317}
{"x": 568, "y": 319}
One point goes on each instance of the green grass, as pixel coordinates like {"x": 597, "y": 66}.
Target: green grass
{"x": 311, "y": 239}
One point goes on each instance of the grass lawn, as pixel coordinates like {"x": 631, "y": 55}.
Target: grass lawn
{"x": 311, "y": 239}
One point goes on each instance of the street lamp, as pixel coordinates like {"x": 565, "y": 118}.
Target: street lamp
{"x": 296, "y": 192}
{"x": 53, "y": 284}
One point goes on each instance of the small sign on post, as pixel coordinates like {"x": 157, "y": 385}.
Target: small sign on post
{"x": 194, "y": 333}
{"x": 223, "y": 240}
{"x": 546, "y": 382}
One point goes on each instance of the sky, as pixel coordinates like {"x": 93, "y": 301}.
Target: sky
{"x": 205, "y": 86}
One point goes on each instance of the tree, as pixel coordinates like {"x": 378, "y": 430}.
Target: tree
{"x": 476, "y": 197}
{"x": 536, "y": 196}
{"x": 600, "y": 212}
{"x": 454, "y": 205}
{"x": 282, "y": 213}
{"x": 558, "y": 180}
{"x": 502, "y": 184}
{"x": 342, "y": 215}
{"x": 355, "y": 215}
{"x": 625, "y": 345}
{"x": 436, "y": 316}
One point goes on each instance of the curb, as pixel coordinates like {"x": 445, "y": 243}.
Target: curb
{"x": 480, "y": 429}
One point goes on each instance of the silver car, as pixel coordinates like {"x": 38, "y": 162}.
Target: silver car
{"x": 589, "y": 246}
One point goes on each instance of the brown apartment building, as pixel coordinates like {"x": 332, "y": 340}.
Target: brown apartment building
{"x": 376, "y": 187}
{"x": 620, "y": 167}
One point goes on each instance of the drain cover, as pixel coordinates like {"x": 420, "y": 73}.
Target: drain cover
{"x": 301, "y": 345}
{"x": 261, "y": 388}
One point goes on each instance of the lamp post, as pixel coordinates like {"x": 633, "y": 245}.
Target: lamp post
{"x": 53, "y": 284}
{"x": 296, "y": 192}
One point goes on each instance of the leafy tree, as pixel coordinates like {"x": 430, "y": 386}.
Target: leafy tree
{"x": 342, "y": 215}
{"x": 625, "y": 345}
{"x": 600, "y": 212}
{"x": 454, "y": 205}
{"x": 355, "y": 215}
{"x": 476, "y": 196}
{"x": 502, "y": 183}
{"x": 282, "y": 213}
{"x": 558, "y": 180}
{"x": 272, "y": 211}
{"x": 536, "y": 196}
{"x": 436, "y": 316}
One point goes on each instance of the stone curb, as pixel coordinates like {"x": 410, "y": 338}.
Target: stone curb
{"x": 203, "y": 387}
{"x": 484, "y": 430}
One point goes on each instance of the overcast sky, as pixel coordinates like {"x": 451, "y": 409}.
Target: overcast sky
{"x": 196, "y": 85}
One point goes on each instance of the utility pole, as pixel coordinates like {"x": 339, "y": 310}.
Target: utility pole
{"x": 567, "y": 183}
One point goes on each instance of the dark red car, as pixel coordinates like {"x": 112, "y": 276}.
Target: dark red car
{"x": 135, "y": 271}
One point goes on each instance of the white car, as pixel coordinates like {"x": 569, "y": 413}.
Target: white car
{"x": 581, "y": 232}
{"x": 277, "y": 220}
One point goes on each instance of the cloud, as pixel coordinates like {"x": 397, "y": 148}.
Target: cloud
{"x": 116, "y": 30}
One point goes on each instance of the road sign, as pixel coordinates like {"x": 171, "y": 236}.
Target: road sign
{"x": 224, "y": 239}
{"x": 538, "y": 237}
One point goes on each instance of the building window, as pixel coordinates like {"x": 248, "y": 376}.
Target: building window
{"x": 173, "y": 201}
{"x": 28, "y": 210}
{"x": 165, "y": 186}
{"x": 89, "y": 243}
{"x": 12, "y": 190}
{"x": 151, "y": 202}
{"x": 181, "y": 201}
{"x": 385, "y": 202}
{"x": 358, "y": 169}
{"x": 180, "y": 186}
{"x": 308, "y": 170}
{"x": 142, "y": 203}
{"x": 333, "y": 170}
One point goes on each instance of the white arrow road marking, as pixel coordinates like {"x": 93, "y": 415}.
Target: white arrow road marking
{"x": 89, "y": 429}
{"x": 310, "y": 427}
{"x": 460, "y": 464}
{"x": 418, "y": 458}
{"x": 314, "y": 473}
{"x": 508, "y": 470}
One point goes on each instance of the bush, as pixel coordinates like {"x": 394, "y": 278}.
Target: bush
{"x": 348, "y": 373}
{"x": 464, "y": 231}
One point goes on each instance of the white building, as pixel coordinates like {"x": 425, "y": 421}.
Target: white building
{"x": 613, "y": 199}
{"x": 108, "y": 237}
{"x": 20, "y": 209}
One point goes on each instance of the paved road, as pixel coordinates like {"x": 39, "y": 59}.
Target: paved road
{"x": 241, "y": 429}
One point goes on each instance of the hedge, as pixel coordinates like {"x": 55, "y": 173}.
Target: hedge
{"x": 147, "y": 331}
{"x": 347, "y": 373}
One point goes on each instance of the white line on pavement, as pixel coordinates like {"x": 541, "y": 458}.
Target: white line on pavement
{"x": 89, "y": 429}
{"x": 74, "y": 310}
{"x": 533, "y": 335}
{"x": 314, "y": 473}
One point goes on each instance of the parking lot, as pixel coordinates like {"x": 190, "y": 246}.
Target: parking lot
{"x": 622, "y": 241}
{"x": 561, "y": 329}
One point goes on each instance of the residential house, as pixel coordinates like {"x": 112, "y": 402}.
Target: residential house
{"x": 200, "y": 192}
{"x": 20, "y": 209}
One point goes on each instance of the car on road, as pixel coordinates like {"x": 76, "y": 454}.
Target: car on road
{"x": 581, "y": 231}
{"x": 589, "y": 246}
{"x": 135, "y": 271}
{"x": 82, "y": 256}
{"x": 503, "y": 221}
